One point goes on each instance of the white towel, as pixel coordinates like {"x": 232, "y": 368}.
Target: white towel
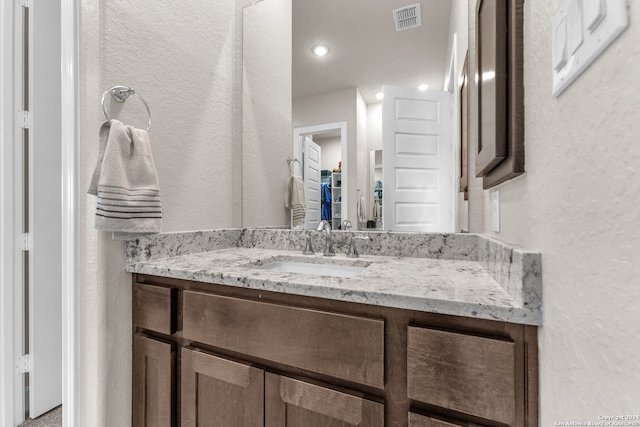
{"x": 360, "y": 208}
{"x": 376, "y": 210}
{"x": 295, "y": 200}
{"x": 126, "y": 183}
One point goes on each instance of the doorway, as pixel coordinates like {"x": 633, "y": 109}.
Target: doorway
{"x": 334, "y": 137}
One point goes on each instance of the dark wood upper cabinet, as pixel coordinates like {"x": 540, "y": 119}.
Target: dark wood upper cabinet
{"x": 500, "y": 89}
{"x": 491, "y": 82}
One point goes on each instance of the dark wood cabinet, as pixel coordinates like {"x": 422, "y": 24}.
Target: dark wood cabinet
{"x": 295, "y": 403}
{"x": 468, "y": 374}
{"x": 417, "y": 420}
{"x": 342, "y": 346}
{"x": 217, "y": 392}
{"x": 152, "y": 382}
{"x": 254, "y": 358}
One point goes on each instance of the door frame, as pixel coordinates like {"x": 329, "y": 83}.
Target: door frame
{"x": 311, "y": 130}
{"x": 7, "y": 233}
{"x": 69, "y": 93}
{"x": 69, "y": 226}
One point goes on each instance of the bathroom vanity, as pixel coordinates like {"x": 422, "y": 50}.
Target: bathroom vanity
{"x": 439, "y": 332}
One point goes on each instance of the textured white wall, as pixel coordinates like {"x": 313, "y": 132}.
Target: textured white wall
{"x": 331, "y": 152}
{"x": 181, "y": 62}
{"x": 267, "y": 123}
{"x": 374, "y": 126}
{"x": 578, "y": 206}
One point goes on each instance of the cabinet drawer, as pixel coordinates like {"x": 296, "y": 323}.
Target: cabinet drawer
{"x": 154, "y": 308}
{"x": 347, "y": 347}
{"x": 464, "y": 373}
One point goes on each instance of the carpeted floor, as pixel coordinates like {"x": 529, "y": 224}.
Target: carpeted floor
{"x": 52, "y": 418}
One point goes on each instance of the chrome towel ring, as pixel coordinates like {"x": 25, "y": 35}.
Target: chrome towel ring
{"x": 120, "y": 94}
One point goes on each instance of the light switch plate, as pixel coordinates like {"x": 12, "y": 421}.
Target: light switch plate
{"x": 559, "y": 46}
{"x": 594, "y": 11}
{"x": 592, "y": 25}
{"x": 574, "y": 26}
{"x": 495, "y": 210}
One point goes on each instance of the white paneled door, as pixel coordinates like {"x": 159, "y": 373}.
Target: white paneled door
{"x": 416, "y": 160}
{"x": 45, "y": 213}
{"x": 312, "y": 157}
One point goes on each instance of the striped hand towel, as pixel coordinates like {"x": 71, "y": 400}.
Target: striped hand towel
{"x": 295, "y": 200}
{"x": 126, "y": 183}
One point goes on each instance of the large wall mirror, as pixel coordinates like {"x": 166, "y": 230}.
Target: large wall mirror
{"x": 331, "y": 100}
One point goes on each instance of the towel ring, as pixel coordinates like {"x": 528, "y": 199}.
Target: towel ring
{"x": 290, "y": 160}
{"x": 120, "y": 94}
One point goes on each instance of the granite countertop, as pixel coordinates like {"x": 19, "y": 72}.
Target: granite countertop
{"x": 446, "y": 286}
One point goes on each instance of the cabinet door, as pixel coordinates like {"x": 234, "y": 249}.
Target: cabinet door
{"x": 416, "y": 420}
{"x": 293, "y": 403}
{"x": 218, "y": 392}
{"x": 153, "y": 373}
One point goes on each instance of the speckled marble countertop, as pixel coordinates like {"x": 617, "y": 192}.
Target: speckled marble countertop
{"x": 448, "y": 286}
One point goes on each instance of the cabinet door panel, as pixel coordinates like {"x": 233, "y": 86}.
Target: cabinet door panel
{"x": 217, "y": 392}
{"x": 416, "y": 420}
{"x": 465, "y": 373}
{"x": 293, "y": 403}
{"x": 153, "y": 373}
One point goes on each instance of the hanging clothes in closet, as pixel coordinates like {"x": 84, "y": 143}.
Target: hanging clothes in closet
{"x": 326, "y": 201}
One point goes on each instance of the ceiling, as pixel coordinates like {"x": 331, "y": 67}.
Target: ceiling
{"x": 365, "y": 49}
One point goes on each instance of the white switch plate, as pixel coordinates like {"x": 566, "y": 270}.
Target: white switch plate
{"x": 559, "y": 44}
{"x": 594, "y": 11}
{"x": 495, "y": 210}
{"x": 574, "y": 26}
{"x": 599, "y": 21}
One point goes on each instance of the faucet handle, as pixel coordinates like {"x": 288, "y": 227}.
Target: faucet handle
{"x": 346, "y": 224}
{"x": 308, "y": 248}
{"x": 353, "y": 251}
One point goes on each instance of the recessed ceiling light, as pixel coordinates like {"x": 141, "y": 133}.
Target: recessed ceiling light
{"x": 379, "y": 95}
{"x": 320, "y": 50}
{"x": 423, "y": 87}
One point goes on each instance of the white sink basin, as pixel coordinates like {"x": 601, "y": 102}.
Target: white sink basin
{"x": 332, "y": 270}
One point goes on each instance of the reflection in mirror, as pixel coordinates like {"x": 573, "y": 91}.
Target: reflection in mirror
{"x": 375, "y": 180}
{"x": 365, "y": 52}
{"x": 320, "y": 148}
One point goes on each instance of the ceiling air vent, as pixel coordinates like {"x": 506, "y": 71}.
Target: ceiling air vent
{"x": 407, "y": 17}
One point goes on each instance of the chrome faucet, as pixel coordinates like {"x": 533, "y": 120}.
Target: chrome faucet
{"x": 328, "y": 244}
{"x": 308, "y": 249}
{"x": 353, "y": 251}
